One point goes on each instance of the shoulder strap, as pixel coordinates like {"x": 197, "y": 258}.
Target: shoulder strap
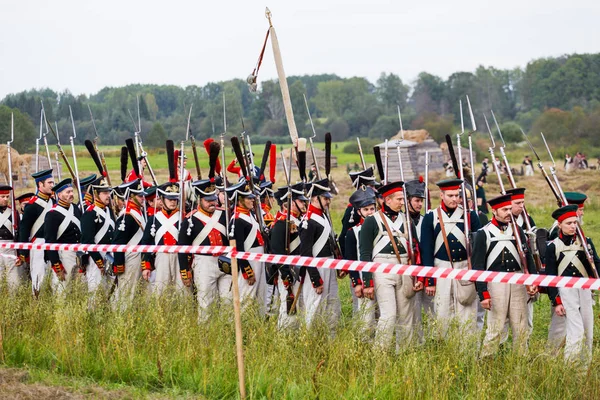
{"x": 387, "y": 229}
{"x": 443, "y": 228}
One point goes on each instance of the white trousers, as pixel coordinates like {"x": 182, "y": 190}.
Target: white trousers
{"x": 38, "y": 267}
{"x": 325, "y": 306}
{"x": 578, "y": 304}
{"x": 449, "y": 301}
{"x": 396, "y": 301}
{"x": 166, "y": 266}
{"x": 69, "y": 263}
{"x": 256, "y": 292}
{"x": 285, "y": 320}
{"x": 8, "y": 270}
{"x": 95, "y": 279}
{"x": 212, "y": 284}
{"x": 508, "y": 302}
{"x": 423, "y": 305}
{"x": 128, "y": 281}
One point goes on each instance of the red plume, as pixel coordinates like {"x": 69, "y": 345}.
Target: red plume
{"x": 421, "y": 179}
{"x": 207, "y": 143}
{"x": 176, "y": 155}
{"x": 273, "y": 163}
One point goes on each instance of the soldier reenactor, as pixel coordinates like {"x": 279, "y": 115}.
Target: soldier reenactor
{"x": 288, "y": 281}
{"x": 384, "y": 238}
{"x": 501, "y": 246}
{"x": 11, "y": 267}
{"x": 97, "y": 227}
{"x": 129, "y": 231}
{"x": 187, "y": 176}
{"x": 518, "y": 205}
{"x": 443, "y": 244}
{"x": 85, "y": 187}
{"x": 132, "y": 176}
{"x": 164, "y": 230}
{"x": 63, "y": 226}
{"x": 415, "y": 191}
{"x": 31, "y": 229}
{"x": 572, "y": 198}
{"x": 248, "y": 236}
{"x": 153, "y": 202}
{"x": 266, "y": 202}
{"x": 205, "y": 226}
{"x": 22, "y": 201}
{"x": 119, "y": 200}
{"x": 320, "y": 297}
{"x": 364, "y": 201}
{"x": 565, "y": 256}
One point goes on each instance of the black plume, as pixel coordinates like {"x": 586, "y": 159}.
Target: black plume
{"x": 237, "y": 149}
{"x": 90, "y": 146}
{"x": 213, "y": 155}
{"x": 301, "y": 164}
{"x": 452, "y": 156}
{"x": 327, "y": 153}
{"x": 377, "y": 152}
{"x": 133, "y": 157}
{"x": 124, "y": 156}
{"x": 265, "y": 158}
{"x": 171, "y": 160}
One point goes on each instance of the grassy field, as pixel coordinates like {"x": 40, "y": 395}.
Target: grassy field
{"x": 158, "y": 349}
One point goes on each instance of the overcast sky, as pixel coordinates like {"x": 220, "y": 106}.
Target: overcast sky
{"x": 85, "y": 45}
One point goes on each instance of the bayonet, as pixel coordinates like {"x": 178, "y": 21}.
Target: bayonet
{"x": 13, "y": 209}
{"x": 76, "y": 179}
{"x": 312, "y": 145}
{"x": 463, "y": 189}
{"x": 471, "y": 160}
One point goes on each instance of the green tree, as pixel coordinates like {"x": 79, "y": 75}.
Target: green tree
{"x": 157, "y": 136}
{"x": 392, "y": 92}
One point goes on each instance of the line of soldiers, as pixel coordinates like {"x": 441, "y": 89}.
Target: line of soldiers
{"x": 375, "y": 228}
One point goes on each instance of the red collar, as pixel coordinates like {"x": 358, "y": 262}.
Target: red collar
{"x": 242, "y": 210}
{"x": 314, "y": 210}
{"x": 169, "y": 214}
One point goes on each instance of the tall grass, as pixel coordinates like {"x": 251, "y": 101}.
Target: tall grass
{"x": 159, "y": 345}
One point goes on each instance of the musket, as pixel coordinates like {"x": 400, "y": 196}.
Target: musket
{"x": 13, "y": 208}
{"x": 58, "y": 174}
{"x": 471, "y": 132}
{"x": 194, "y": 150}
{"x": 101, "y": 155}
{"x": 563, "y": 198}
{"x": 409, "y": 225}
{"x": 292, "y": 308}
{"x": 463, "y": 190}
{"x": 140, "y": 148}
{"x": 182, "y": 199}
{"x": 544, "y": 173}
{"x": 360, "y": 151}
{"x": 46, "y": 134}
{"x": 386, "y": 165}
{"x": 312, "y": 145}
{"x": 37, "y": 142}
{"x": 427, "y": 196}
{"x": 60, "y": 150}
{"x": 76, "y": 179}
{"x": 516, "y": 235}
{"x": 513, "y": 184}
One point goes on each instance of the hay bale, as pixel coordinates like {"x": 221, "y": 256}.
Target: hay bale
{"x": 418, "y": 136}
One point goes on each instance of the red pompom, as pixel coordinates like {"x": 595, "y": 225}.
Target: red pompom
{"x": 421, "y": 179}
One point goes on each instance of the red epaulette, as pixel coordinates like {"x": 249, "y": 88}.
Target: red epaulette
{"x": 349, "y": 205}
{"x": 32, "y": 200}
{"x": 54, "y": 205}
{"x": 90, "y": 207}
{"x": 190, "y": 213}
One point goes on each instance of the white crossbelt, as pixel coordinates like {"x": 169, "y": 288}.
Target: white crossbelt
{"x": 47, "y": 206}
{"x": 294, "y": 244}
{"x": 383, "y": 239}
{"x": 167, "y": 224}
{"x": 322, "y": 240}
{"x": 451, "y": 225}
{"x": 570, "y": 257}
{"x": 137, "y": 238}
{"x": 107, "y": 224}
{"x": 5, "y": 219}
{"x": 249, "y": 242}
{"x": 505, "y": 240}
{"x": 69, "y": 217}
{"x": 210, "y": 223}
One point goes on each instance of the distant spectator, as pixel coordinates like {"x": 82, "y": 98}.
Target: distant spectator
{"x": 528, "y": 164}
{"x": 568, "y": 162}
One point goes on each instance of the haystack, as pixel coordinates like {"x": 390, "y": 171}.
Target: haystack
{"x": 18, "y": 162}
{"x": 418, "y": 136}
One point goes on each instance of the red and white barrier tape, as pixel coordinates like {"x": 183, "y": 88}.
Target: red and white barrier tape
{"x": 345, "y": 265}
{"x": 119, "y": 248}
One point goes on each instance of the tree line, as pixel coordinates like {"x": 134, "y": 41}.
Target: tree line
{"x": 560, "y": 96}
